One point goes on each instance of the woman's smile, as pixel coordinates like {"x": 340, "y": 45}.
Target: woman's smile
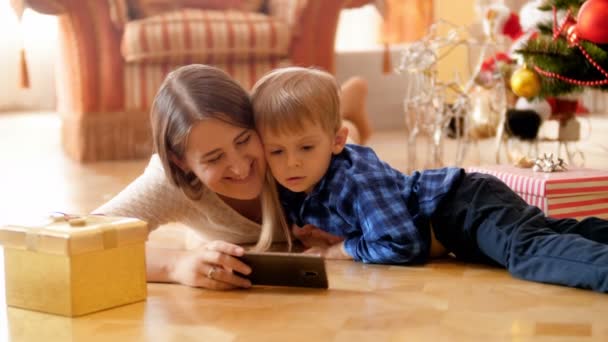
{"x": 243, "y": 180}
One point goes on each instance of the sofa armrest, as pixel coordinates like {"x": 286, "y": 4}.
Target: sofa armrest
{"x": 358, "y": 3}
{"x": 90, "y": 66}
{"x": 313, "y": 45}
{"x": 51, "y": 7}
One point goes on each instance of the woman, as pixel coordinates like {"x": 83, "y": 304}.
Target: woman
{"x": 209, "y": 173}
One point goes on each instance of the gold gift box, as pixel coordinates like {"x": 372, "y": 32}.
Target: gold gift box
{"x": 74, "y": 265}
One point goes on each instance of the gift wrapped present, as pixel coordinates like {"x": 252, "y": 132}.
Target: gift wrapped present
{"x": 574, "y": 192}
{"x": 74, "y": 265}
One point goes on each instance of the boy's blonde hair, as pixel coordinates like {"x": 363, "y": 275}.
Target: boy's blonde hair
{"x": 284, "y": 98}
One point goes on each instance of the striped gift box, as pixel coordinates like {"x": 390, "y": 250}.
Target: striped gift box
{"x": 576, "y": 193}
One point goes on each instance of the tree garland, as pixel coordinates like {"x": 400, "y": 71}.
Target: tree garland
{"x": 566, "y": 63}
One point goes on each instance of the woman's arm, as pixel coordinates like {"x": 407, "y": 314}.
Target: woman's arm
{"x": 151, "y": 198}
{"x": 159, "y": 263}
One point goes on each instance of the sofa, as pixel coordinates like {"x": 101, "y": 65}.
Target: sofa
{"x": 115, "y": 53}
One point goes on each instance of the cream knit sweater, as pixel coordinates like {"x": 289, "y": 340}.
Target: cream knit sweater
{"x": 153, "y": 198}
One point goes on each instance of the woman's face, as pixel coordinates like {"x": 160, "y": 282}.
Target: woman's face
{"x": 229, "y": 160}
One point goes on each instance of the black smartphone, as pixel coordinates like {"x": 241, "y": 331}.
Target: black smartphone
{"x": 285, "y": 269}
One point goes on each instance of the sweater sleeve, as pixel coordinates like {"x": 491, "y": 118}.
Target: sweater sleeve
{"x": 151, "y": 198}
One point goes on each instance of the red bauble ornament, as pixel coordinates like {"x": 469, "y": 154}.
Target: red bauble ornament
{"x": 592, "y": 21}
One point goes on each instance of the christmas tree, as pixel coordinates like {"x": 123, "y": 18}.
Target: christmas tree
{"x": 571, "y": 54}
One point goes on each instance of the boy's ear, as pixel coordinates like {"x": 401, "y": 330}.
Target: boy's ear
{"x": 340, "y": 140}
{"x": 180, "y": 163}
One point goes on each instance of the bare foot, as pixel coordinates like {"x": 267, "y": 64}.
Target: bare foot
{"x": 353, "y": 106}
{"x": 353, "y": 132}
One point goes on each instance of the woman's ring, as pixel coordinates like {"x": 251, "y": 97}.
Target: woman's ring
{"x": 211, "y": 272}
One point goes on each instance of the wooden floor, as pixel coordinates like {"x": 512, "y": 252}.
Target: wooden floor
{"x": 444, "y": 300}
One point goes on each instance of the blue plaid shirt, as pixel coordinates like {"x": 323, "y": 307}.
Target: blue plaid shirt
{"x": 382, "y": 213}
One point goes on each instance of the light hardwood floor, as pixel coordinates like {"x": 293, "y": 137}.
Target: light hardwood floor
{"x": 445, "y": 300}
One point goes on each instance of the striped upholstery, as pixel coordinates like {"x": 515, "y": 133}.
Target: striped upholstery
{"x": 142, "y": 80}
{"x": 206, "y": 36}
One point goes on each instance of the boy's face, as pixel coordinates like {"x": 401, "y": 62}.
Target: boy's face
{"x": 299, "y": 160}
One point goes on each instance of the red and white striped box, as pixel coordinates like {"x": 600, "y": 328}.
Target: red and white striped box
{"x": 575, "y": 193}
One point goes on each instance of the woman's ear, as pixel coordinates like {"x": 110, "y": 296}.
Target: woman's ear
{"x": 179, "y": 162}
{"x": 340, "y": 140}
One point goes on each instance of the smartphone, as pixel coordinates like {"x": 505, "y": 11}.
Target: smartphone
{"x": 285, "y": 269}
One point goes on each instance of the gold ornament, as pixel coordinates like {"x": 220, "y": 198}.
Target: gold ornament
{"x": 525, "y": 83}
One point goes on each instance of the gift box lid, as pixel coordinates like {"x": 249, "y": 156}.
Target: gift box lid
{"x": 571, "y": 182}
{"x": 71, "y": 235}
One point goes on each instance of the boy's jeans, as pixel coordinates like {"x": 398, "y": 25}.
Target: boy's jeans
{"x": 483, "y": 220}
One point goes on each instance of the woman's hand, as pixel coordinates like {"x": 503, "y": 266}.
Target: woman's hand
{"x": 210, "y": 266}
{"x": 311, "y": 236}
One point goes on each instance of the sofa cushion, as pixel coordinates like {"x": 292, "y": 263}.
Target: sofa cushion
{"x": 205, "y": 36}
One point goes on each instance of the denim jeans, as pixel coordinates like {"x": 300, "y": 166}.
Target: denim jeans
{"x": 483, "y": 220}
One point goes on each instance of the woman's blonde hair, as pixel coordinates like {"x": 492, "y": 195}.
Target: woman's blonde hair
{"x": 197, "y": 92}
{"x": 284, "y": 98}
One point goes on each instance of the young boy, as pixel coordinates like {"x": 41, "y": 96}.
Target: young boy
{"x": 388, "y": 217}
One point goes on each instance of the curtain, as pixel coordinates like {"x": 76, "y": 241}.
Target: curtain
{"x": 406, "y": 20}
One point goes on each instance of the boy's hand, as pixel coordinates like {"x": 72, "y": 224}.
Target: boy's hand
{"x": 311, "y": 236}
{"x": 335, "y": 251}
